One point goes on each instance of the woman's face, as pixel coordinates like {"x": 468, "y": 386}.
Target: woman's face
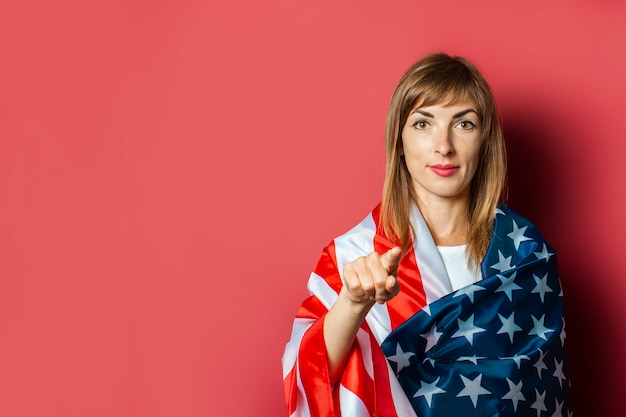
{"x": 441, "y": 147}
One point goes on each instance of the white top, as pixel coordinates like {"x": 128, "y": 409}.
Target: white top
{"x": 455, "y": 260}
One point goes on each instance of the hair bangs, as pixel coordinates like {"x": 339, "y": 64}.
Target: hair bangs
{"x": 447, "y": 87}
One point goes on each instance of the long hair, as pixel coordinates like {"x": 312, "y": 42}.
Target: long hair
{"x": 442, "y": 79}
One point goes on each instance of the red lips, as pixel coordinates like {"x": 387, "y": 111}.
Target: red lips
{"x": 444, "y": 170}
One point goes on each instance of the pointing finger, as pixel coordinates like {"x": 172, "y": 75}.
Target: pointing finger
{"x": 391, "y": 259}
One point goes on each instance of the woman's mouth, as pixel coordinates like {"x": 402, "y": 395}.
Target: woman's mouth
{"x": 444, "y": 170}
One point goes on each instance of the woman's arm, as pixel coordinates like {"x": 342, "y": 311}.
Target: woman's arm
{"x": 367, "y": 280}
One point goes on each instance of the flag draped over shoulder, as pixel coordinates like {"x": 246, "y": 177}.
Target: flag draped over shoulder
{"x": 495, "y": 348}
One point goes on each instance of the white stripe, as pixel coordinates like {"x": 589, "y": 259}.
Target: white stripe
{"x": 350, "y": 404}
{"x": 318, "y": 287}
{"x": 300, "y": 326}
{"x": 434, "y": 276}
{"x": 400, "y": 400}
{"x": 359, "y": 241}
{"x": 379, "y": 322}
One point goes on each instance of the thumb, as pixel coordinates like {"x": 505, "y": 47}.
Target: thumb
{"x": 391, "y": 259}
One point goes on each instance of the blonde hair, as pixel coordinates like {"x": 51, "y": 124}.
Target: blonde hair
{"x": 442, "y": 79}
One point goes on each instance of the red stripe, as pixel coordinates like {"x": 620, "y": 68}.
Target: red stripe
{"x": 384, "y": 400}
{"x": 412, "y": 296}
{"x": 291, "y": 391}
{"x": 311, "y": 308}
{"x": 313, "y": 363}
{"x": 356, "y": 379}
{"x": 327, "y": 267}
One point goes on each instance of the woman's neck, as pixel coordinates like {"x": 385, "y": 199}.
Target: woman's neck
{"x": 447, "y": 220}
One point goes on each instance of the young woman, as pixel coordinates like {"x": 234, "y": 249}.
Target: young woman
{"x": 441, "y": 301}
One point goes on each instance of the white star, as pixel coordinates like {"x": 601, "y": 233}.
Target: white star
{"x": 473, "y": 389}
{"x": 539, "y": 403}
{"x": 540, "y": 364}
{"x": 517, "y": 235}
{"x": 498, "y": 211}
{"x": 432, "y": 337}
{"x": 428, "y": 390}
{"x": 539, "y": 329}
{"x": 401, "y": 358}
{"x": 559, "y": 409}
{"x": 514, "y": 393}
{"x": 517, "y": 359}
{"x": 469, "y": 291}
{"x": 467, "y": 329}
{"x": 508, "y": 326}
{"x": 503, "y": 264}
{"x": 431, "y": 360}
{"x": 542, "y": 286}
{"x": 562, "y": 335}
{"x": 508, "y": 285}
{"x": 474, "y": 359}
{"x": 544, "y": 254}
{"x": 558, "y": 373}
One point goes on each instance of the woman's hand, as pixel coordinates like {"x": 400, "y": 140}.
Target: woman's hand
{"x": 372, "y": 278}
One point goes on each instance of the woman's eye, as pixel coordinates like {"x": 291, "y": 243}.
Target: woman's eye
{"x": 466, "y": 125}
{"x": 420, "y": 124}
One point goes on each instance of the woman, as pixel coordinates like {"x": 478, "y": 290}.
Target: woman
{"x": 440, "y": 301}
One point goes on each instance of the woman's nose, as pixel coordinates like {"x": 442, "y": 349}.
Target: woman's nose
{"x": 444, "y": 143}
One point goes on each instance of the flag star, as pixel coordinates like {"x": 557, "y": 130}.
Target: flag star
{"x": 544, "y": 254}
{"x": 508, "y": 325}
{"x": 432, "y": 337}
{"x": 540, "y": 365}
{"x": 472, "y": 389}
{"x": 401, "y": 358}
{"x": 503, "y": 264}
{"x": 558, "y": 373}
{"x": 562, "y": 335}
{"x": 558, "y": 412}
{"x": 517, "y": 359}
{"x": 467, "y": 329}
{"x": 469, "y": 291}
{"x": 474, "y": 359}
{"x": 538, "y": 328}
{"x": 542, "y": 286}
{"x": 431, "y": 360}
{"x": 515, "y": 393}
{"x": 508, "y": 285}
{"x": 539, "y": 403}
{"x": 498, "y": 211}
{"x": 428, "y": 390}
{"x": 517, "y": 235}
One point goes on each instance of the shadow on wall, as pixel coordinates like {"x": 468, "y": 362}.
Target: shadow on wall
{"x": 543, "y": 187}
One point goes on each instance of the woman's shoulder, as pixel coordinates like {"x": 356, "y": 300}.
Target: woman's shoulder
{"x": 363, "y": 233}
{"x": 363, "y": 238}
{"x": 517, "y": 236}
{"x": 507, "y": 218}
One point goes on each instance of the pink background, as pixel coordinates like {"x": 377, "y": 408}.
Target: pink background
{"x": 170, "y": 170}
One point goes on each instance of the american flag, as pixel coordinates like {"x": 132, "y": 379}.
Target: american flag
{"x": 495, "y": 348}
